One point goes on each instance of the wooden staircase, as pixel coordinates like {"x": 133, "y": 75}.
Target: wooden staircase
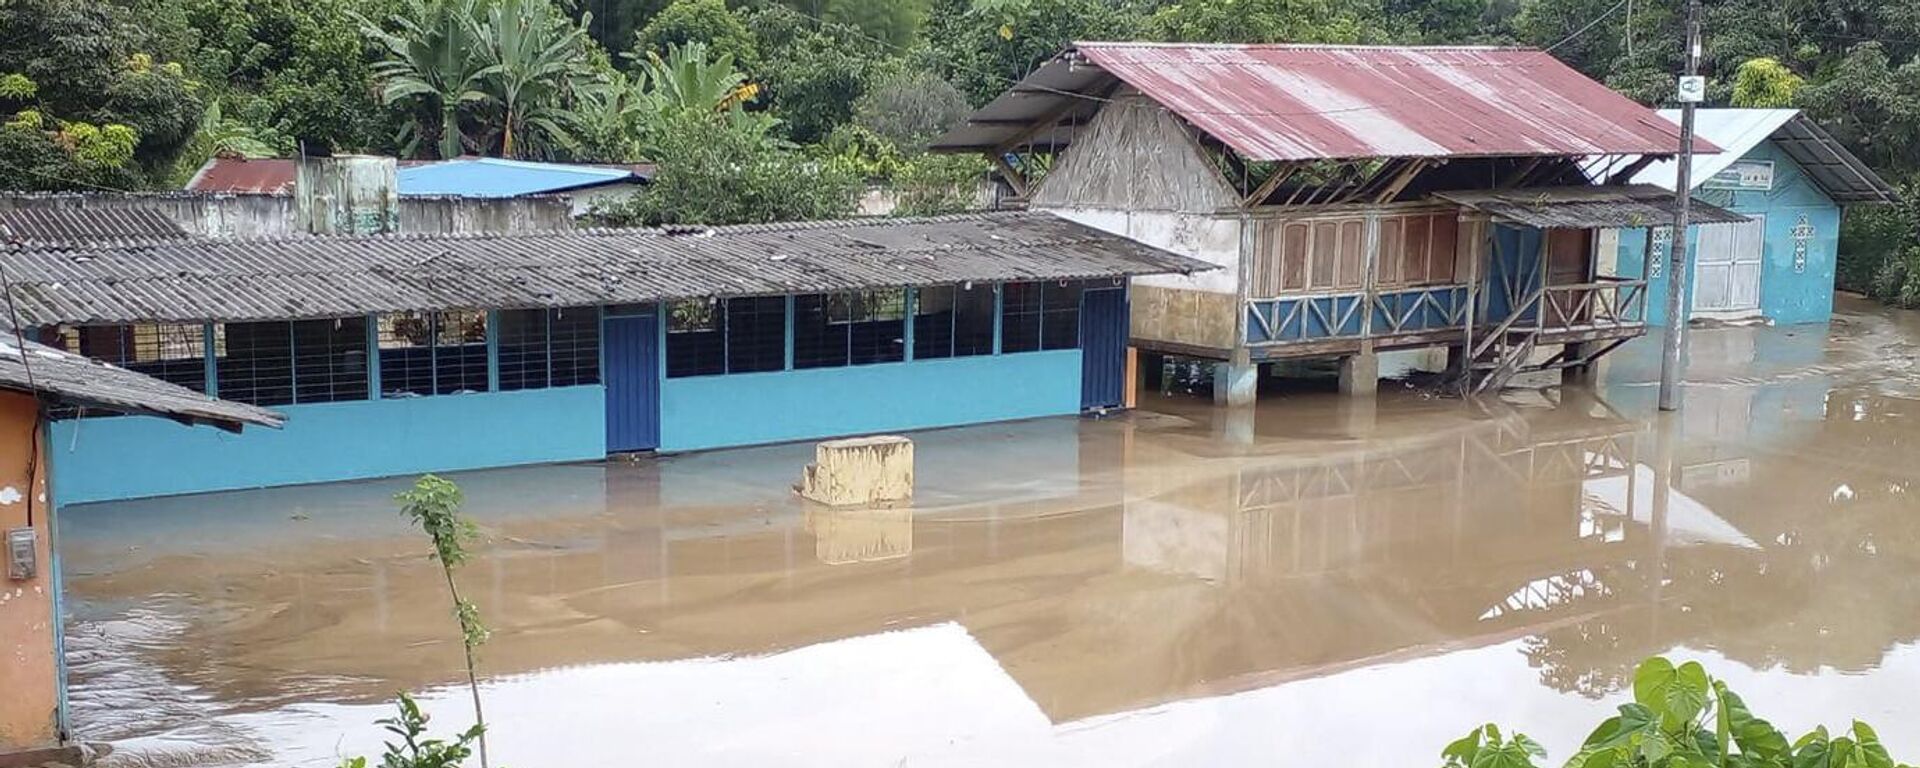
{"x": 1498, "y": 359}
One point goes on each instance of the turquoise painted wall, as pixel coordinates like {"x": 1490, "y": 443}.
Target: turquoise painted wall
{"x": 755, "y": 408}
{"x": 124, "y": 457}
{"x": 1786, "y": 296}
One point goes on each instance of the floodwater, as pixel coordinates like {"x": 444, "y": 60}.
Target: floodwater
{"x": 1324, "y": 582}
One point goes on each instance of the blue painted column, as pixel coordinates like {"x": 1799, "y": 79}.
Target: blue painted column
{"x": 210, "y": 349}
{"x": 906, "y": 320}
{"x": 493, "y": 351}
{"x": 373, "y": 357}
{"x": 788, "y": 366}
{"x": 999, "y": 300}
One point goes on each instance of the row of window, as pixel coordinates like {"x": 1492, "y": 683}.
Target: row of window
{"x": 445, "y": 353}
{"x": 749, "y": 335}
{"x": 323, "y": 361}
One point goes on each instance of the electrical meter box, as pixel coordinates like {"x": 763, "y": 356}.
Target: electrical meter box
{"x": 22, "y": 553}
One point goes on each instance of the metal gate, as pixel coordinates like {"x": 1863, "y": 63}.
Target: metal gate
{"x": 1727, "y": 271}
{"x": 632, "y": 344}
{"x": 1103, "y": 348}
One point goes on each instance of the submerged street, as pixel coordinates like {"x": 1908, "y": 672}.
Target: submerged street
{"x": 1321, "y": 581}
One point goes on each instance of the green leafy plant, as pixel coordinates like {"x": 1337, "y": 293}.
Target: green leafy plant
{"x": 434, "y": 504}
{"x": 414, "y": 750}
{"x": 1484, "y": 748}
{"x": 1681, "y": 718}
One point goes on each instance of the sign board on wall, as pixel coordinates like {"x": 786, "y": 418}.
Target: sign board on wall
{"x": 1744, "y": 176}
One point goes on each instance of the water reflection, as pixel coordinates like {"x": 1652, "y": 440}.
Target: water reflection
{"x": 1178, "y": 568}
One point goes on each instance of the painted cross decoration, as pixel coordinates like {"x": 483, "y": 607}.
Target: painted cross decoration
{"x": 1657, "y": 260}
{"x": 1802, "y": 234}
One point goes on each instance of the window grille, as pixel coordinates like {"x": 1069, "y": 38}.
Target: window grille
{"x": 856, "y": 328}
{"x": 878, "y": 327}
{"x": 756, "y": 334}
{"x": 549, "y": 347}
{"x": 329, "y": 360}
{"x": 575, "y": 343}
{"x": 406, "y": 354}
{"x": 818, "y": 340}
{"x": 1020, "y": 310}
{"x": 1060, "y": 315}
{"x": 459, "y": 352}
{"x": 171, "y": 352}
{"x": 695, "y": 344}
{"x": 256, "y": 364}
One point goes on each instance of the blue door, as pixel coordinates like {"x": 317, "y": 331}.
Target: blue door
{"x": 1103, "y": 348}
{"x": 633, "y": 382}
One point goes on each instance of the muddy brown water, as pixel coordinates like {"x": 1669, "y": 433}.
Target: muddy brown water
{"x": 1318, "y": 582}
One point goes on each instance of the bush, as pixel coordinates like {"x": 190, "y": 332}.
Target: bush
{"x": 1680, "y": 718}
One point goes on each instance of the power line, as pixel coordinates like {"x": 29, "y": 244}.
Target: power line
{"x": 1590, "y": 25}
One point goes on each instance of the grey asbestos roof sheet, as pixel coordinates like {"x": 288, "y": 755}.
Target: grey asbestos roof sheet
{"x": 70, "y": 378}
{"x": 86, "y": 225}
{"x": 310, "y": 277}
{"x": 1632, "y": 205}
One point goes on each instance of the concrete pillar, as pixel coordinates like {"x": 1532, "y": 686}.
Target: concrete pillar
{"x": 1360, "y": 373}
{"x": 1358, "y": 416}
{"x": 1456, "y": 359}
{"x": 1578, "y": 375}
{"x": 1237, "y": 381}
{"x": 860, "y": 470}
{"x": 1237, "y": 425}
{"x": 29, "y": 669}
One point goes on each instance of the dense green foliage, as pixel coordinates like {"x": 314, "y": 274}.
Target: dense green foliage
{"x": 137, "y": 93}
{"x": 1680, "y": 718}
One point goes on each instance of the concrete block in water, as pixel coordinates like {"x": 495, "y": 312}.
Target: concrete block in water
{"x": 860, "y": 470}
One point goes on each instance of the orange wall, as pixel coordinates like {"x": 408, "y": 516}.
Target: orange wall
{"x": 29, "y": 694}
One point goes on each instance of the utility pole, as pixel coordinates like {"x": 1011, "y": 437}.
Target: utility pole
{"x": 1692, "y": 88}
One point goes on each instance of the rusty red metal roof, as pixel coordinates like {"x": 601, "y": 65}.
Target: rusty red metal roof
{"x": 1329, "y": 102}
{"x": 242, "y": 176}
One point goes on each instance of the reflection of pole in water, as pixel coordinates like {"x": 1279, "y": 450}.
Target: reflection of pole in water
{"x": 1664, "y": 426}
{"x": 860, "y": 535}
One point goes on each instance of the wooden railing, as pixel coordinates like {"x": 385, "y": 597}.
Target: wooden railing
{"x": 1607, "y": 302}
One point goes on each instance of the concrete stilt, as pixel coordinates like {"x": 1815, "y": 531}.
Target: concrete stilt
{"x": 1456, "y": 359}
{"x": 1358, "y": 416}
{"x": 1236, "y": 382}
{"x": 1360, "y": 373}
{"x": 1237, "y": 425}
{"x": 1578, "y": 375}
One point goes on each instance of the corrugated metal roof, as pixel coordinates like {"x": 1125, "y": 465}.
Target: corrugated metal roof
{"x": 85, "y": 382}
{"x": 309, "y": 277}
{"x": 243, "y": 176}
{"x": 1739, "y": 131}
{"x": 1634, "y": 205}
{"x": 494, "y": 177}
{"x": 86, "y": 225}
{"x": 1319, "y": 102}
{"x": 466, "y": 177}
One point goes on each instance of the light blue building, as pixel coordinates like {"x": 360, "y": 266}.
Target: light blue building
{"x": 1791, "y": 179}
{"x": 401, "y": 354}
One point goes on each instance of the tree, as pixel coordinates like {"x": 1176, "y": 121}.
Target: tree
{"x": 716, "y": 171}
{"x": 983, "y": 48}
{"x": 1269, "y": 21}
{"x": 433, "y": 61}
{"x": 298, "y": 69}
{"x": 1764, "y": 82}
{"x": 911, "y": 108}
{"x": 814, "y": 71}
{"x": 698, "y": 21}
{"x": 86, "y": 107}
{"x": 535, "y": 64}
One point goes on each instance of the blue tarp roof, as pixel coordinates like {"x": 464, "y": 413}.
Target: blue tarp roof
{"x": 494, "y": 177}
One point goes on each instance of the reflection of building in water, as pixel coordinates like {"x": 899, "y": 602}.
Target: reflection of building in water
{"x": 842, "y": 536}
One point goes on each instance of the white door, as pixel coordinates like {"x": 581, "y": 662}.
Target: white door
{"x": 1727, "y": 269}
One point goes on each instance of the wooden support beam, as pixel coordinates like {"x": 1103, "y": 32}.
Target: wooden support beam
{"x": 1626, "y": 174}
{"x": 1047, "y": 120}
{"x": 1273, "y": 182}
{"x": 1015, "y": 178}
{"x": 1513, "y": 179}
{"x": 1400, "y": 182}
